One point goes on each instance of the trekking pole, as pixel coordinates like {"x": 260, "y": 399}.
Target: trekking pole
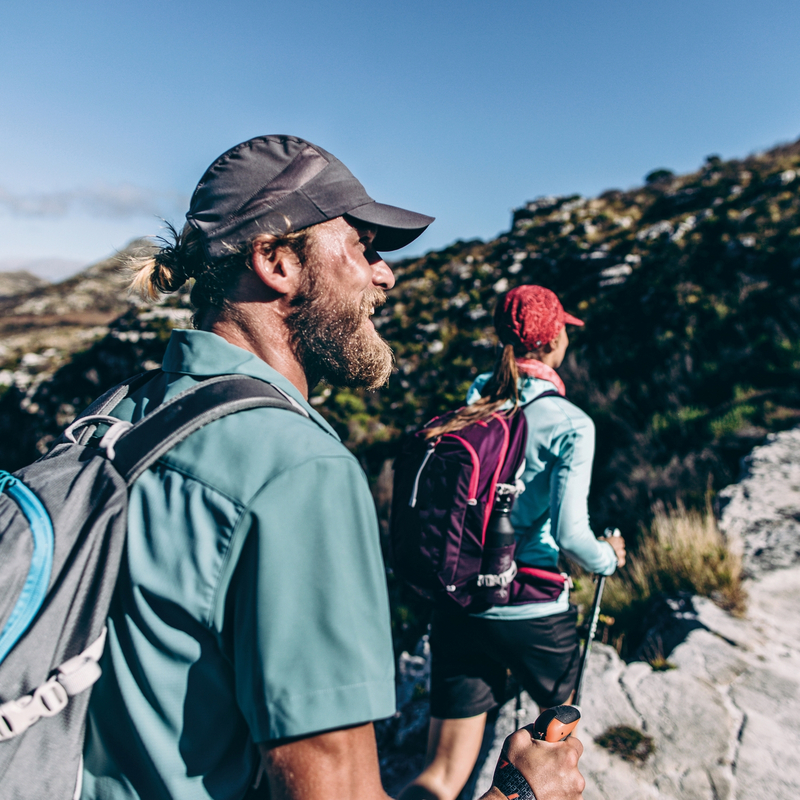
{"x": 593, "y": 618}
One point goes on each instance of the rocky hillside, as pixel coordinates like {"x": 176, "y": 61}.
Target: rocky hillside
{"x": 63, "y": 344}
{"x": 689, "y": 286}
{"x": 690, "y": 290}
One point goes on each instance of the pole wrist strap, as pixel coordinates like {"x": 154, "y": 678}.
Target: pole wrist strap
{"x": 511, "y": 782}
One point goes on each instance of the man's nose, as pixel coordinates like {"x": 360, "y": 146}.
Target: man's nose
{"x": 382, "y": 274}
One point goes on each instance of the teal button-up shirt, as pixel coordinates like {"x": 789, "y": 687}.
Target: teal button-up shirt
{"x": 552, "y": 514}
{"x": 251, "y": 604}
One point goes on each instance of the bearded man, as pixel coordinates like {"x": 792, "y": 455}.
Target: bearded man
{"x": 249, "y": 646}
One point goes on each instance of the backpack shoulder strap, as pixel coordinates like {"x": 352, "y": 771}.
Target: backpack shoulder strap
{"x": 118, "y": 393}
{"x": 548, "y": 393}
{"x": 144, "y": 443}
{"x": 108, "y": 400}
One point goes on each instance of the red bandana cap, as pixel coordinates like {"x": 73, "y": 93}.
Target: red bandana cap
{"x": 529, "y": 317}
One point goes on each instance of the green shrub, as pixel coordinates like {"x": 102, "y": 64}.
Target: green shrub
{"x": 659, "y": 175}
{"x": 738, "y": 418}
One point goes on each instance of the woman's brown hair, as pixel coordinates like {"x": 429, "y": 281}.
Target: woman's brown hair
{"x": 502, "y": 386}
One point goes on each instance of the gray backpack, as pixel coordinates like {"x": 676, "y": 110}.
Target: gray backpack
{"x": 63, "y": 521}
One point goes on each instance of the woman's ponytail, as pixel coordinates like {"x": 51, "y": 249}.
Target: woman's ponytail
{"x": 504, "y": 382}
{"x": 502, "y": 386}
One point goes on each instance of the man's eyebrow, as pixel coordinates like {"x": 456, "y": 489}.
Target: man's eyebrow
{"x": 360, "y": 225}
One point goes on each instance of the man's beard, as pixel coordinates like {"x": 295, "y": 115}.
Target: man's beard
{"x": 330, "y": 340}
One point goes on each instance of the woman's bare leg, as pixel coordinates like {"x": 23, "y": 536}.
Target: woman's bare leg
{"x": 453, "y": 748}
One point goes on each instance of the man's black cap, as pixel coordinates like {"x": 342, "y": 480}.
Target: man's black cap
{"x": 279, "y": 184}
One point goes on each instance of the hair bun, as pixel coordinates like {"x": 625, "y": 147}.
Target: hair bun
{"x": 169, "y": 272}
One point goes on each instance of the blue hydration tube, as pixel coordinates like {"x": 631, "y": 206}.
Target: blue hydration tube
{"x": 36, "y": 584}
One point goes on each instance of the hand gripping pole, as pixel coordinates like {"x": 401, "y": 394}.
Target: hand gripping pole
{"x": 552, "y": 725}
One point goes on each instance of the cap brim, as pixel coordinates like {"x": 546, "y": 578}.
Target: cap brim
{"x": 396, "y": 226}
{"x": 570, "y": 320}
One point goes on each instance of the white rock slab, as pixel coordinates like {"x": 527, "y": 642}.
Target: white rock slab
{"x": 761, "y": 515}
{"x": 725, "y": 722}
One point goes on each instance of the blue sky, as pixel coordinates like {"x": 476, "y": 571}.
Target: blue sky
{"x": 111, "y": 111}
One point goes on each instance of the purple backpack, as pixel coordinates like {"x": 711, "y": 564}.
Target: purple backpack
{"x": 444, "y": 493}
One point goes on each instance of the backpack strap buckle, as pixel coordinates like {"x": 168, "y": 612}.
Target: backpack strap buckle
{"x": 117, "y": 428}
{"x": 80, "y": 672}
{"x": 502, "y": 580}
{"x": 113, "y": 435}
{"x": 52, "y": 697}
{"x": 47, "y": 700}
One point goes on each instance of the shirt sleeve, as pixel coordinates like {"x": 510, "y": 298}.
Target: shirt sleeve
{"x": 569, "y": 493}
{"x": 308, "y": 605}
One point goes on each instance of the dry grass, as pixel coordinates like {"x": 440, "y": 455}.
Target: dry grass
{"x": 684, "y": 552}
{"x": 654, "y": 655}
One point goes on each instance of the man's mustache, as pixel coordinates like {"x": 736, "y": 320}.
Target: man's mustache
{"x": 373, "y": 299}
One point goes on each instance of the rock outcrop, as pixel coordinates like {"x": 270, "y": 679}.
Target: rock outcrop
{"x": 761, "y": 513}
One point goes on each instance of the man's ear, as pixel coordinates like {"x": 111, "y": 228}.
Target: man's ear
{"x": 278, "y": 268}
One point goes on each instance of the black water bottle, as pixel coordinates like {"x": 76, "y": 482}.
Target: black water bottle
{"x": 497, "y": 567}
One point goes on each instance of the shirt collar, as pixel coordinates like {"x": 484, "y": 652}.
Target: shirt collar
{"x": 203, "y": 354}
{"x": 529, "y": 388}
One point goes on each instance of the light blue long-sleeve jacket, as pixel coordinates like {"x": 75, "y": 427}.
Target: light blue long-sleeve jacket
{"x": 552, "y": 515}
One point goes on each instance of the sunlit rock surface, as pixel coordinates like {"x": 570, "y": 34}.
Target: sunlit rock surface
{"x": 762, "y": 512}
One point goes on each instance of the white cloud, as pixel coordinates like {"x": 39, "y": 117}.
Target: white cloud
{"x": 122, "y": 201}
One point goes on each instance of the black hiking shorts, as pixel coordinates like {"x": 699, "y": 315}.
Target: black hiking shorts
{"x": 471, "y": 658}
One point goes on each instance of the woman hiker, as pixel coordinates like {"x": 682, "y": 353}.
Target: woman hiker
{"x": 538, "y": 642}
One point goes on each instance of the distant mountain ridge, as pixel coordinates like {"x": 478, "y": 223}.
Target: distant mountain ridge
{"x": 45, "y": 326}
{"x": 101, "y": 289}
{"x": 63, "y": 344}
{"x": 48, "y": 269}
{"x": 19, "y": 282}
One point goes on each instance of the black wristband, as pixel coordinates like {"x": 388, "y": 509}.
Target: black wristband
{"x": 511, "y": 782}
